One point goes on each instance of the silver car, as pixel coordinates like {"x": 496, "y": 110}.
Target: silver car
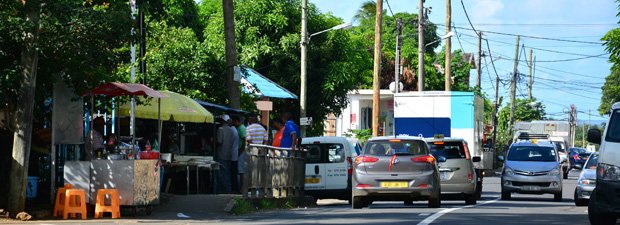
{"x": 532, "y": 167}
{"x": 458, "y": 175}
{"x": 395, "y": 169}
{"x": 587, "y": 181}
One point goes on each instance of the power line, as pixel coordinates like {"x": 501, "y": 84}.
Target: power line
{"x": 468, "y": 20}
{"x": 493, "y": 62}
{"x": 389, "y": 7}
{"x": 548, "y": 24}
{"x": 578, "y": 74}
{"x": 533, "y": 37}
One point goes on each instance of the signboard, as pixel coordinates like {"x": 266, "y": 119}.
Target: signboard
{"x": 560, "y": 133}
{"x": 264, "y": 105}
{"x": 304, "y": 121}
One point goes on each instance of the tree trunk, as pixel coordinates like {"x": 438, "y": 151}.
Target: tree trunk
{"x": 23, "y": 132}
{"x": 234, "y": 95}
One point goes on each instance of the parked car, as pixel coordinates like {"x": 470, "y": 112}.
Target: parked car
{"x": 604, "y": 204}
{"x": 578, "y": 157}
{"x": 586, "y": 181}
{"x": 532, "y": 167}
{"x": 396, "y": 169}
{"x": 458, "y": 175}
{"x": 328, "y": 166}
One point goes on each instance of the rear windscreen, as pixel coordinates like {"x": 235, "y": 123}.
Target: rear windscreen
{"x": 450, "y": 150}
{"x": 324, "y": 153}
{"x": 399, "y": 147}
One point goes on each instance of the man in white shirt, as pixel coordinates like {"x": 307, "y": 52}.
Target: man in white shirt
{"x": 94, "y": 139}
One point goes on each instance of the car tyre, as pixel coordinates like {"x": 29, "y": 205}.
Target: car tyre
{"x": 359, "y": 202}
{"x": 597, "y": 218}
{"x": 434, "y": 202}
{"x": 408, "y": 202}
{"x": 471, "y": 199}
{"x": 557, "y": 197}
{"x": 580, "y": 201}
{"x": 505, "y": 195}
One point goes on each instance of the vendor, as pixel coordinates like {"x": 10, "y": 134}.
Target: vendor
{"x": 94, "y": 139}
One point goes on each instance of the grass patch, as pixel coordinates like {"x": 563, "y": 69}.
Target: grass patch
{"x": 266, "y": 204}
{"x": 243, "y": 206}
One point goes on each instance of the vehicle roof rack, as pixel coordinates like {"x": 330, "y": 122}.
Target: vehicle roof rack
{"x": 528, "y": 136}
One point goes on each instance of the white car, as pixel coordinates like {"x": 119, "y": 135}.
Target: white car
{"x": 329, "y": 165}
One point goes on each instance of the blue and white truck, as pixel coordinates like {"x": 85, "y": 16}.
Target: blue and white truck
{"x": 450, "y": 114}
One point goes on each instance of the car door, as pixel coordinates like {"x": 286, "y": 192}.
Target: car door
{"x": 315, "y": 168}
{"x": 336, "y": 166}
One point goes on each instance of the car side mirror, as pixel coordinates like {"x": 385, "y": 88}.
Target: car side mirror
{"x": 594, "y": 136}
{"x": 500, "y": 158}
{"x": 476, "y": 159}
{"x": 441, "y": 159}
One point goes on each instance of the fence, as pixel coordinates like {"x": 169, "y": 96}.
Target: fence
{"x": 273, "y": 172}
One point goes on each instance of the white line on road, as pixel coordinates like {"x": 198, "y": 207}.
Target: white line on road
{"x": 435, "y": 216}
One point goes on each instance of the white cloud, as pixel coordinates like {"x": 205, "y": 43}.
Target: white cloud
{"x": 486, "y": 11}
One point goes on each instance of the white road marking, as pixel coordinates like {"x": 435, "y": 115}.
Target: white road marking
{"x": 424, "y": 214}
{"x": 435, "y": 216}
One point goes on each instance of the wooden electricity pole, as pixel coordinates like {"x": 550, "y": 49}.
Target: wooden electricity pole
{"x": 448, "y": 69}
{"x": 513, "y": 86}
{"x": 23, "y": 131}
{"x": 531, "y": 81}
{"x": 234, "y": 95}
{"x": 479, "y": 70}
{"x": 377, "y": 69}
{"x": 421, "y": 21}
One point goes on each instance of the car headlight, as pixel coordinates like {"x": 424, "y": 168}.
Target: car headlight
{"x": 554, "y": 172}
{"x": 586, "y": 182}
{"x": 608, "y": 172}
{"x": 508, "y": 171}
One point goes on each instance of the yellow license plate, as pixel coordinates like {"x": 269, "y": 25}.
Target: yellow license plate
{"x": 313, "y": 180}
{"x": 394, "y": 184}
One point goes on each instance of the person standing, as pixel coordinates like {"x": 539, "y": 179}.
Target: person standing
{"x": 278, "y": 125}
{"x": 256, "y": 134}
{"x": 227, "y": 142}
{"x": 290, "y": 133}
{"x": 94, "y": 140}
{"x": 241, "y": 133}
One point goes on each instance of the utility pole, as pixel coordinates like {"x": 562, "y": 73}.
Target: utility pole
{"x": 448, "y": 67}
{"x": 142, "y": 43}
{"x": 421, "y": 21}
{"x": 479, "y": 70}
{"x": 495, "y": 109}
{"x": 513, "y": 86}
{"x": 304, "y": 52}
{"x": 376, "y": 69}
{"x": 234, "y": 95}
{"x": 399, "y": 30}
{"x": 529, "y": 90}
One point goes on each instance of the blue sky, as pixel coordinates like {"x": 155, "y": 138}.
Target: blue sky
{"x": 556, "y": 84}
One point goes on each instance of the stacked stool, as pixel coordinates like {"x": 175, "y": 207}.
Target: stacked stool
{"x": 71, "y": 201}
{"x": 60, "y": 200}
{"x": 75, "y": 202}
{"x": 101, "y": 207}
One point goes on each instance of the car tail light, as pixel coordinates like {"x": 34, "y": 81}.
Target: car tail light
{"x": 363, "y": 186}
{"x": 467, "y": 156}
{"x": 350, "y": 168}
{"x": 576, "y": 157}
{"x": 426, "y": 158}
{"x": 365, "y": 159}
{"x": 470, "y": 177}
{"x": 423, "y": 186}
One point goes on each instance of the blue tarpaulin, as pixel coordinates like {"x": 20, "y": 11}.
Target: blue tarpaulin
{"x": 257, "y": 84}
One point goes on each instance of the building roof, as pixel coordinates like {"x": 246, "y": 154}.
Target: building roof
{"x": 257, "y": 84}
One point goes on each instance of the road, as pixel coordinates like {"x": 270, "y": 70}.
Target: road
{"x": 522, "y": 209}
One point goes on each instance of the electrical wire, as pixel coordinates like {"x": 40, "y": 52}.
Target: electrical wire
{"x": 389, "y": 7}
{"x": 468, "y": 20}
{"x": 493, "y": 63}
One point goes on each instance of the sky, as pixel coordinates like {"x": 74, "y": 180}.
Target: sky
{"x": 567, "y": 71}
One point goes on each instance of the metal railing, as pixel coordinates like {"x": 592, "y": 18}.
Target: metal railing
{"x": 273, "y": 172}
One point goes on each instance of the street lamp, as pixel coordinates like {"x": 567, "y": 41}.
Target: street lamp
{"x": 305, "y": 39}
{"x": 449, "y": 34}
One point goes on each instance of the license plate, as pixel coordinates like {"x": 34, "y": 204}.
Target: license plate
{"x": 530, "y": 188}
{"x": 443, "y": 176}
{"x": 394, "y": 184}
{"x": 313, "y": 180}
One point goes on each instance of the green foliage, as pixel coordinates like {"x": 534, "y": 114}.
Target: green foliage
{"x": 243, "y": 206}
{"x": 611, "y": 90}
{"x": 362, "y": 135}
{"x": 523, "y": 112}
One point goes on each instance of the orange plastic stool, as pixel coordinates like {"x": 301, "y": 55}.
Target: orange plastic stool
{"x": 101, "y": 207}
{"x": 75, "y": 202}
{"x": 60, "y": 200}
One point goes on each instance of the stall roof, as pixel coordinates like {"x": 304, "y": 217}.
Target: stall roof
{"x": 216, "y": 107}
{"x": 121, "y": 89}
{"x": 257, "y": 84}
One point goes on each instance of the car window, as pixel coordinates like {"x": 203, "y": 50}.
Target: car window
{"x": 324, "y": 153}
{"x": 592, "y": 161}
{"x": 398, "y": 147}
{"x": 532, "y": 153}
{"x": 613, "y": 128}
{"x": 450, "y": 150}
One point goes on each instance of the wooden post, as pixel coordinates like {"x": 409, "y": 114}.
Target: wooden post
{"x": 448, "y": 63}
{"x": 377, "y": 69}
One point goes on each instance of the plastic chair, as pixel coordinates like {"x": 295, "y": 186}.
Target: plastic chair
{"x": 75, "y": 202}
{"x": 101, "y": 207}
{"x": 60, "y": 200}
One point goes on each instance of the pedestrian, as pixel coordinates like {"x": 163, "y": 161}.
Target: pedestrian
{"x": 237, "y": 122}
{"x": 256, "y": 134}
{"x": 227, "y": 144}
{"x": 278, "y": 125}
{"x": 94, "y": 140}
{"x": 290, "y": 133}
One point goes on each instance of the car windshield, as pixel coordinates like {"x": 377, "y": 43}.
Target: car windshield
{"x": 592, "y": 161}
{"x": 450, "y": 150}
{"x": 578, "y": 150}
{"x": 613, "y": 128}
{"x": 324, "y": 153}
{"x": 395, "y": 147}
{"x": 532, "y": 153}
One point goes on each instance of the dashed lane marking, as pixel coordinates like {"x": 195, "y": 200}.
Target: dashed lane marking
{"x": 435, "y": 216}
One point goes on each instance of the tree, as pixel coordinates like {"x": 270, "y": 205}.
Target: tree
{"x": 611, "y": 88}
{"x": 523, "y": 112}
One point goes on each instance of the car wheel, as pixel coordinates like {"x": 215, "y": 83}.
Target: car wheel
{"x": 408, "y": 202}
{"x": 505, "y": 195}
{"x": 597, "y": 218}
{"x": 557, "y": 197}
{"x": 434, "y": 202}
{"x": 579, "y": 201}
{"x": 359, "y": 202}
{"x": 471, "y": 200}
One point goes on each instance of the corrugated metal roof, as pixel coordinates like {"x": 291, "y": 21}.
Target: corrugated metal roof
{"x": 257, "y": 84}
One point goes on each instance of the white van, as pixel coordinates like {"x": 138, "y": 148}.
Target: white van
{"x": 328, "y": 166}
{"x": 604, "y": 205}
